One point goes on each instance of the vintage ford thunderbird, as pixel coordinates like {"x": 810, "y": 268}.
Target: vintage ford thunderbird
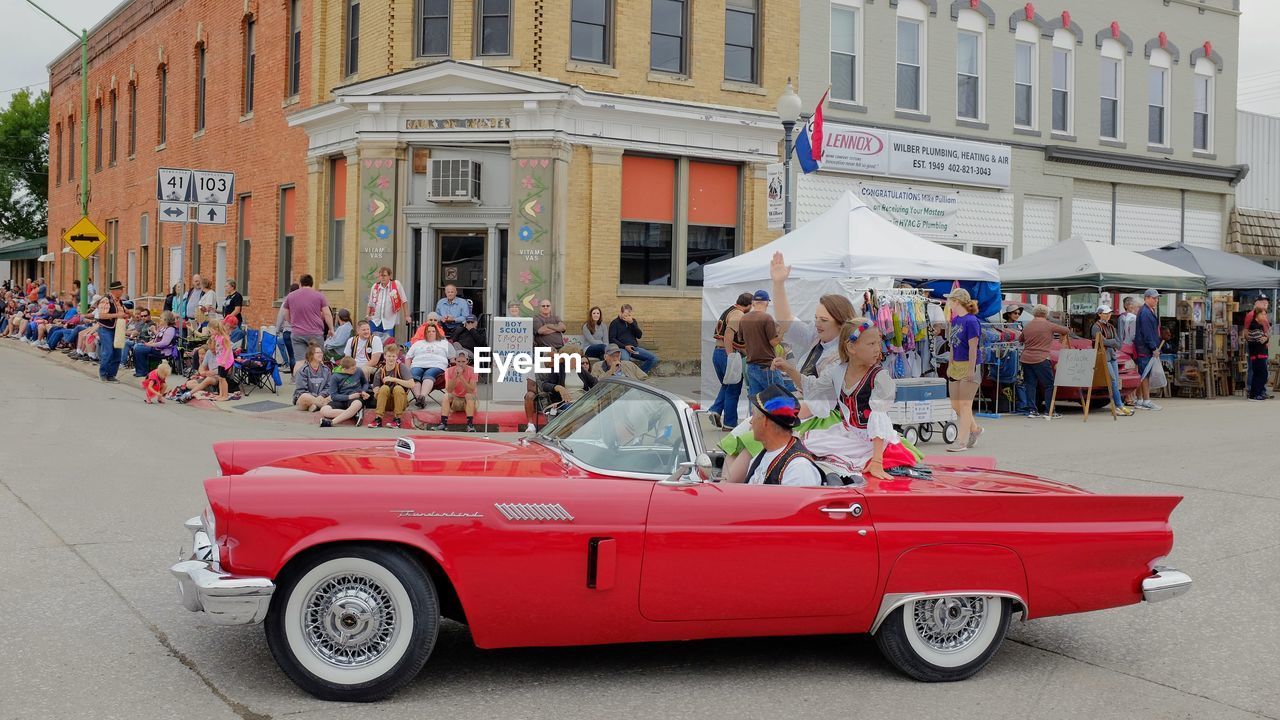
{"x": 609, "y": 527}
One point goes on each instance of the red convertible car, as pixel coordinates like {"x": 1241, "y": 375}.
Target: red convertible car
{"x": 609, "y": 527}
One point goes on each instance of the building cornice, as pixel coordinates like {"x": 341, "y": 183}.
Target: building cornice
{"x": 1231, "y": 174}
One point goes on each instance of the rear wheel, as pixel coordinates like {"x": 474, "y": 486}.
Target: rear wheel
{"x": 353, "y": 623}
{"x": 944, "y": 639}
{"x": 926, "y": 433}
{"x": 949, "y": 433}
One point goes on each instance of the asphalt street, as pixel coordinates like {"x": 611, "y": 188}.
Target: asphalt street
{"x": 95, "y": 485}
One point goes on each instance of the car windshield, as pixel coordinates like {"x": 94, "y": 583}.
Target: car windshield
{"x": 621, "y": 428}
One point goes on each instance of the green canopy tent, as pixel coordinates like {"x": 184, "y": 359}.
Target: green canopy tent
{"x": 1077, "y": 266}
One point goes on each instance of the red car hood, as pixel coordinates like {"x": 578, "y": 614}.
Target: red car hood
{"x": 432, "y": 455}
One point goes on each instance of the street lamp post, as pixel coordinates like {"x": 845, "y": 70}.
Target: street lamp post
{"x": 788, "y": 113}
{"x": 83, "y": 38}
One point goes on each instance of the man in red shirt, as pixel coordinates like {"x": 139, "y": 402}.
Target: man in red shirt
{"x": 459, "y": 391}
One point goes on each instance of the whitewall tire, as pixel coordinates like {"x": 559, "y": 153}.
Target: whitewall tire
{"x": 353, "y": 623}
{"x": 947, "y": 638}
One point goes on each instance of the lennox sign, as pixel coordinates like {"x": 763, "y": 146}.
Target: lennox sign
{"x": 868, "y": 151}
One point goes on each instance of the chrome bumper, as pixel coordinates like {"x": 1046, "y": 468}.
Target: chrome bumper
{"x": 226, "y": 599}
{"x": 1165, "y": 583}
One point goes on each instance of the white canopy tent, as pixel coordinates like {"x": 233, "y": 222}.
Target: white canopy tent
{"x": 847, "y": 250}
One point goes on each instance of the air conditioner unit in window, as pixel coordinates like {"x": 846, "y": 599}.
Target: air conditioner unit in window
{"x": 454, "y": 181}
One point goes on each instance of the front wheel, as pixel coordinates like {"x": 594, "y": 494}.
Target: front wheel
{"x": 353, "y": 623}
{"x": 944, "y": 639}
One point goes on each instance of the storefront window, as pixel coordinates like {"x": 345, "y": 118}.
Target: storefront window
{"x": 654, "y": 247}
{"x": 989, "y": 251}
{"x": 713, "y": 216}
{"x": 648, "y": 220}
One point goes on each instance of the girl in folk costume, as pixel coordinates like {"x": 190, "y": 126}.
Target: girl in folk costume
{"x": 847, "y": 408}
{"x": 388, "y": 304}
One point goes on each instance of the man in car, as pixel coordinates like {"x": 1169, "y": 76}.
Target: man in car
{"x": 785, "y": 460}
{"x": 559, "y": 386}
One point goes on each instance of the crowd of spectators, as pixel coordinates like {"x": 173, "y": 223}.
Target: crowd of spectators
{"x": 340, "y": 368}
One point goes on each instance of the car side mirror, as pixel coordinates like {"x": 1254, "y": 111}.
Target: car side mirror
{"x": 683, "y": 476}
{"x": 707, "y": 468}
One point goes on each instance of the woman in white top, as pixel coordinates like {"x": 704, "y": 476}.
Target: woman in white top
{"x": 365, "y": 348}
{"x": 428, "y": 358}
{"x": 815, "y": 344}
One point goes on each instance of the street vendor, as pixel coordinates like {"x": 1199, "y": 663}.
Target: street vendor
{"x": 815, "y": 342}
{"x": 845, "y": 409}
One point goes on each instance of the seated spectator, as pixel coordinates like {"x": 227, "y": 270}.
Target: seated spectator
{"x": 137, "y": 332}
{"x": 614, "y": 366}
{"x": 311, "y": 382}
{"x": 470, "y": 336}
{"x": 560, "y": 387}
{"x": 428, "y": 359}
{"x": 69, "y": 314}
{"x": 595, "y": 334}
{"x": 217, "y": 362}
{"x": 341, "y": 334}
{"x": 162, "y": 343}
{"x": 365, "y": 348}
{"x": 625, "y": 332}
{"x": 433, "y": 320}
{"x": 459, "y": 391}
{"x": 451, "y": 310}
{"x": 65, "y": 331}
{"x": 391, "y": 385}
{"x": 348, "y": 393}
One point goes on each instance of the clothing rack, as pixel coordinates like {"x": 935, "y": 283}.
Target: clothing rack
{"x": 1000, "y": 349}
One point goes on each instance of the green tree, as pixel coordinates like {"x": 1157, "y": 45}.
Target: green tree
{"x": 24, "y": 165}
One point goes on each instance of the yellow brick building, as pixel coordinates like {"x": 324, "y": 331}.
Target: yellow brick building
{"x": 590, "y": 152}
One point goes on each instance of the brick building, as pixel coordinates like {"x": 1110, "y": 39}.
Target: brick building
{"x": 187, "y": 84}
{"x": 592, "y": 152}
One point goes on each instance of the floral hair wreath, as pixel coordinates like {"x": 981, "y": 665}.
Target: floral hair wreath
{"x": 858, "y": 329}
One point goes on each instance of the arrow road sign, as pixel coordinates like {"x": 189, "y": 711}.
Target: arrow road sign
{"x": 84, "y": 237}
{"x": 211, "y": 214}
{"x": 173, "y": 185}
{"x": 213, "y": 187}
{"x": 174, "y": 212}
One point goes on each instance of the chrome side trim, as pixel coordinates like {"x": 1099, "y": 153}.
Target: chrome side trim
{"x": 893, "y": 601}
{"x": 1165, "y": 583}
{"x": 541, "y": 512}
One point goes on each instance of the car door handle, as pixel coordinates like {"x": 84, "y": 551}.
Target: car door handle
{"x": 854, "y": 510}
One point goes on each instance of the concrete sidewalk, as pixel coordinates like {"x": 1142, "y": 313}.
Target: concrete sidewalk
{"x": 263, "y": 404}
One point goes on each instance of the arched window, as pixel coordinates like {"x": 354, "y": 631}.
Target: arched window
{"x": 1063, "y": 81}
{"x": 1202, "y": 105}
{"x": 912, "y": 78}
{"x": 1158, "y": 98}
{"x": 1111, "y": 90}
{"x": 846, "y": 47}
{"x": 971, "y": 65}
{"x": 1026, "y": 73}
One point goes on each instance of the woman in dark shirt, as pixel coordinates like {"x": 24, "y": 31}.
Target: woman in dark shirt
{"x": 963, "y": 371}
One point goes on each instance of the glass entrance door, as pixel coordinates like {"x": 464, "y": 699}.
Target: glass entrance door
{"x": 462, "y": 264}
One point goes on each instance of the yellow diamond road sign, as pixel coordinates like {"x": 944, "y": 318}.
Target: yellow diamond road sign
{"x": 84, "y": 237}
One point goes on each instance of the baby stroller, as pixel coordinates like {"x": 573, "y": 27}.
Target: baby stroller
{"x": 256, "y": 366}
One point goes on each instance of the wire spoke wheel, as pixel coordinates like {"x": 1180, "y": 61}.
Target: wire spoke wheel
{"x": 349, "y": 620}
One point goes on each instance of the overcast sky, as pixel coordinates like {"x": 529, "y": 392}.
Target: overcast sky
{"x": 29, "y": 41}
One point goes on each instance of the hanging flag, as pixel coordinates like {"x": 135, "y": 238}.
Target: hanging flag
{"x": 809, "y": 145}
